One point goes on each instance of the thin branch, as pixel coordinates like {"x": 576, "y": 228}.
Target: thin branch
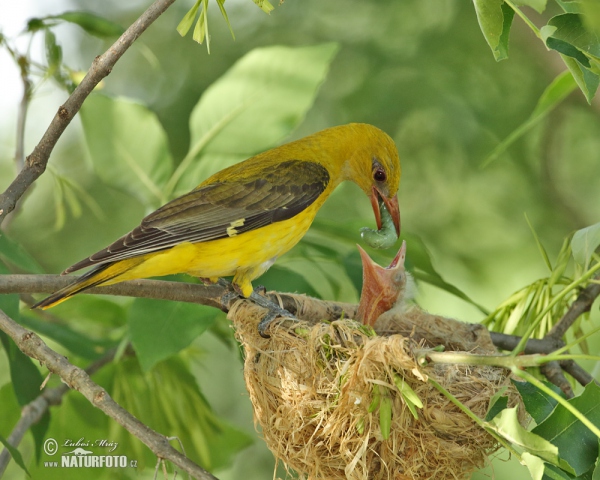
{"x": 217, "y": 295}
{"x": 504, "y": 341}
{"x": 76, "y": 378}
{"x": 553, "y": 341}
{"x": 577, "y": 372}
{"x": 102, "y": 65}
{"x": 34, "y": 410}
{"x": 554, "y": 373}
{"x": 22, "y": 115}
{"x": 582, "y": 304}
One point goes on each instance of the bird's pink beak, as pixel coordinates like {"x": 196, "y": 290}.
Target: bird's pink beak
{"x": 381, "y": 286}
{"x": 392, "y": 206}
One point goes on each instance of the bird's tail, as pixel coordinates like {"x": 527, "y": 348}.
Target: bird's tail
{"x": 101, "y": 275}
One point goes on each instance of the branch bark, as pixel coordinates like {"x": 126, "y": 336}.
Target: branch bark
{"x": 36, "y": 162}
{"x": 218, "y": 295}
{"x": 33, "y": 411}
{"x": 76, "y": 378}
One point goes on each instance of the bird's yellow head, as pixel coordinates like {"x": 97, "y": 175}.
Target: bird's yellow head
{"x": 373, "y": 164}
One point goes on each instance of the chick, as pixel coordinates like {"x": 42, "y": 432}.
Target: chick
{"x": 383, "y": 288}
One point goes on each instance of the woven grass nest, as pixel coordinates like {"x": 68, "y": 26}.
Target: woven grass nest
{"x": 311, "y": 386}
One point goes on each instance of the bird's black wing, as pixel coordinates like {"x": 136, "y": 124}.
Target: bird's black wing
{"x": 220, "y": 210}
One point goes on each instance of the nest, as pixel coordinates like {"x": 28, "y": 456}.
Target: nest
{"x": 312, "y": 388}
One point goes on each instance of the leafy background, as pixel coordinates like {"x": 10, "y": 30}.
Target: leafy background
{"x": 419, "y": 69}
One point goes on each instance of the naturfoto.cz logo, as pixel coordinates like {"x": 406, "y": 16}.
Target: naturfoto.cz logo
{"x": 77, "y": 454}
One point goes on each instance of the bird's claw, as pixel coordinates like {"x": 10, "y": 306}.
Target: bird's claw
{"x": 274, "y": 311}
{"x": 265, "y": 323}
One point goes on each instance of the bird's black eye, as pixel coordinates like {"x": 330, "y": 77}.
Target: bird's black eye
{"x": 379, "y": 175}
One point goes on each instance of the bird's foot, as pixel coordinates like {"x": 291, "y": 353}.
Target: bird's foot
{"x": 274, "y": 311}
{"x": 231, "y": 292}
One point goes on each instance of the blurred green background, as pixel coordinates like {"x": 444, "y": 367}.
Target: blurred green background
{"x": 418, "y": 69}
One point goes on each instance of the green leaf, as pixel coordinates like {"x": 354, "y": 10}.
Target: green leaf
{"x": 264, "y": 5}
{"x": 172, "y": 390}
{"x": 539, "y": 244}
{"x": 91, "y": 23}
{"x": 553, "y": 95}
{"x": 507, "y": 424}
{"x": 534, "y": 464}
{"x": 584, "y": 244}
{"x": 411, "y": 399}
{"x": 102, "y": 311}
{"x": 495, "y": 19}
{"x": 160, "y": 328}
{"x": 499, "y": 404}
{"x": 221, "y": 4}
{"x": 39, "y": 431}
{"x": 375, "y": 398}
{"x": 201, "y": 29}
{"x": 15, "y": 254}
{"x": 77, "y": 343}
{"x": 15, "y": 454}
{"x": 25, "y": 376}
{"x": 538, "y": 5}
{"x": 128, "y": 147}
{"x": 537, "y": 403}
{"x": 552, "y": 472}
{"x": 576, "y": 443}
{"x": 579, "y": 48}
{"x": 35, "y": 24}
{"x": 591, "y": 18}
{"x": 286, "y": 280}
{"x": 570, "y": 30}
{"x": 587, "y": 81}
{"x": 596, "y": 473}
{"x": 385, "y": 416}
{"x": 188, "y": 19}
{"x": 562, "y": 261}
{"x": 53, "y": 53}
{"x": 251, "y": 108}
{"x": 353, "y": 267}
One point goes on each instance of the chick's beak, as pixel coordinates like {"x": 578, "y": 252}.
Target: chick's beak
{"x": 382, "y": 287}
{"x": 392, "y": 207}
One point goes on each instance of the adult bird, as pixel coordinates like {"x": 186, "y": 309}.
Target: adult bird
{"x": 240, "y": 220}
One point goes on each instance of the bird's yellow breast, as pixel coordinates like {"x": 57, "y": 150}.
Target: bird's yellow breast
{"x": 245, "y": 256}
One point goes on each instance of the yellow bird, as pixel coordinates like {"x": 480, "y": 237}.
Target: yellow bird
{"x": 240, "y": 220}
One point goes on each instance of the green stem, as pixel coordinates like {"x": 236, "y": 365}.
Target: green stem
{"x": 552, "y": 357}
{"x": 548, "y": 391}
{"x": 576, "y": 342}
{"x": 525, "y": 19}
{"x": 483, "y": 424}
{"x": 503, "y": 361}
{"x": 533, "y": 325}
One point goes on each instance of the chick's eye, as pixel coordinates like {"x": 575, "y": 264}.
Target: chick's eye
{"x": 379, "y": 175}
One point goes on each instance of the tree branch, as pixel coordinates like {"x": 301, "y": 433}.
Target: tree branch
{"x": 218, "y": 295}
{"x": 504, "y": 341}
{"x": 76, "y": 378}
{"x": 553, "y": 341}
{"x": 102, "y": 65}
{"x": 33, "y": 411}
{"x": 582, "y": 304}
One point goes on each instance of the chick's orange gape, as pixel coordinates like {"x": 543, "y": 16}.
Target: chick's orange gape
{"x": 240, "y": 220}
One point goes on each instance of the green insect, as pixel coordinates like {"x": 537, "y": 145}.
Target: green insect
{"x": 385, "y": 237}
